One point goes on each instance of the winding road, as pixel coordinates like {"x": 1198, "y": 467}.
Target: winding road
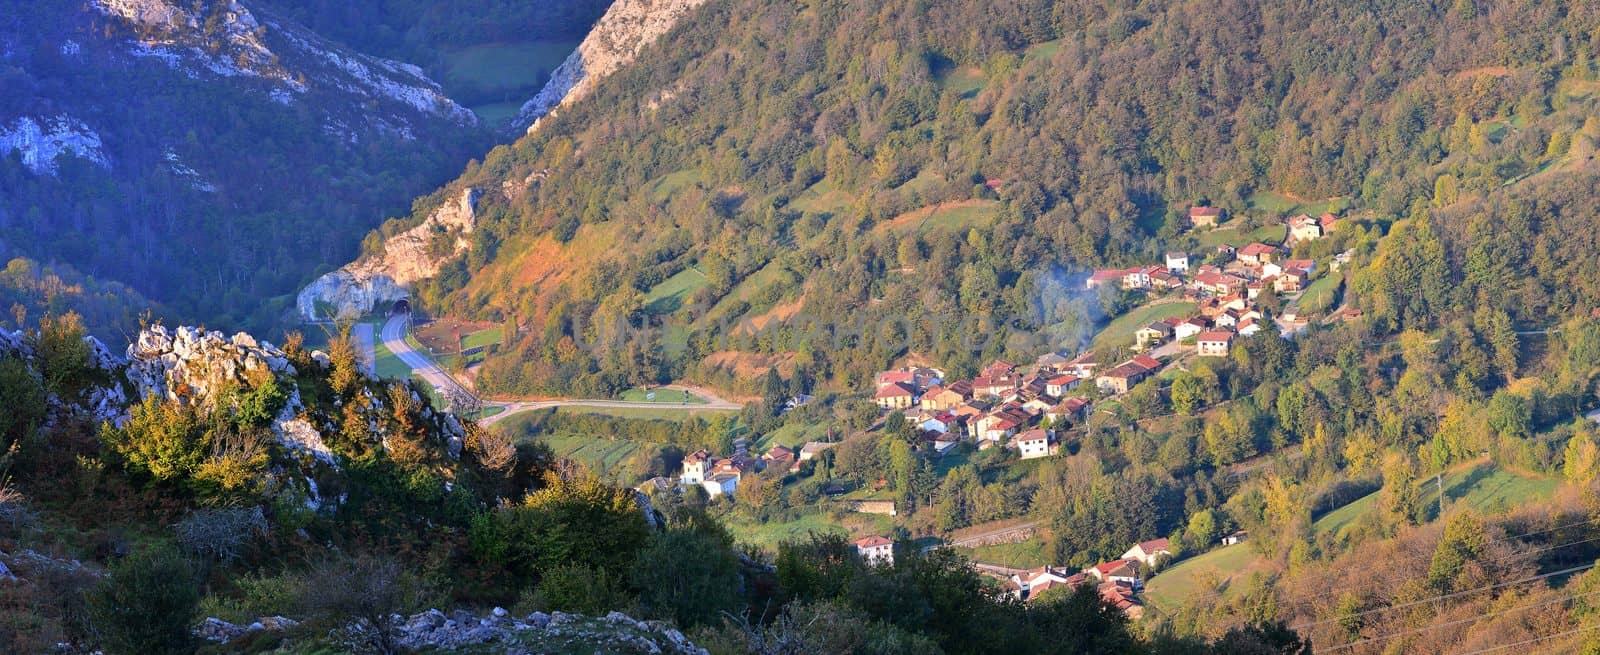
{"x": 394, "y": 338}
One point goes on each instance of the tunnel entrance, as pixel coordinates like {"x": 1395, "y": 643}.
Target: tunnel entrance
{"x": 401, "y": 306}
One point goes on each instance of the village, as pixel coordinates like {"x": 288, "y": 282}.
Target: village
{"x": 1032, "y": 409}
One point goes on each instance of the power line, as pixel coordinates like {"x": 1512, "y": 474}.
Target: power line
{"x": 1531, "y": 641}
{"x": 1436, "y": 626}
{"x": 1307, "y": 604}
{"x": 1455, "y": 594}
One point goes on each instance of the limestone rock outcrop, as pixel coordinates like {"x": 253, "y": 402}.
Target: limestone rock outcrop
{"x": 625, "y": 29}
{"x": 374, "y": 280}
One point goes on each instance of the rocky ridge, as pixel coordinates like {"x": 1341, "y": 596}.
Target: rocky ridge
{"x": 499, "y": 632}
{"x": 625, "y": 29}
{"x": 226, "y": 39}
{"x": 40, "y": 141}
{"x": 368, "y": 283}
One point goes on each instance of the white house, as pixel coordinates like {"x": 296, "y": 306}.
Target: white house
{"x": 1122, "y": 570}
{"x": 1033, "y": 443}
{"x": 1178, "y": 262}
{"x": 721, "y": 483}
{"x": 1189, "y": 328}
{"x": 876, "y": 550}
{"x": 695, "y": 465}
{"x": 1152, "y": 552}
{"x": 1235, "y": 538}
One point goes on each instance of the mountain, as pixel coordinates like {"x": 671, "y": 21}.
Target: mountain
{"x": 218, "y": 152}
{"x": 626, "y": 29}
{"x": 818, "y": 174}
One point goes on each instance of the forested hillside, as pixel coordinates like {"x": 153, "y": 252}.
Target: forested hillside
{"x": 956, "y": 167}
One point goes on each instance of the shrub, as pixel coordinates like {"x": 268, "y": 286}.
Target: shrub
{"x": 578, "y": 588}
{"x": 146, "y": 603}
{"x": 220, "y": 534}
{"x": 359, "y": 597}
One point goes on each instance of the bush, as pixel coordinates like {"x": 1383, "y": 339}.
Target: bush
{"x": 358, "y": 598}
{"x": 220, "y": 534}
{"x": 580, "y": 589}
{"x": 146, "y": 604}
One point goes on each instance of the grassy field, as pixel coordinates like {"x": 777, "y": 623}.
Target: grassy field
{"x": 1321, "y": 295}
{"x": 961, "y": 216}
{"x": 824, "y": 197}
{"x": 667, "y": 413}
{"x": 1171, "y": 588}
{"x": 770, "y": 534}
{"x": 387, "y": 364}
{"x": 1277, "y": 203}
{"x": 496, "y": 78}
{"x": 793, "y": 435}
{"x": 745, "y": 291}
{"x": 482, "y": 338}
{"x": 675, "y": 291}
{"x": 670, "y": 184}
{"x": 603, "y": 456}
{"x": 638, "y": 395}
{"x": 1483, "y": 486}
{"x": 1274, "y": 233}
{"x": 1046, "y": 50}
{"x": 1022, "y": 555}
{"x": 1122, "y": 327}
{"x": 965, "y": 81}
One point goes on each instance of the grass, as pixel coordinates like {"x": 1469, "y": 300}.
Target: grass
{"x": 1046, "y": 50}
{"x": 1273, "y": 233}
{"x": 1321, "y": 295}
{"x": 483, "y": 337}
{"x": 793, "y": 435}
{"x": 965, "y": 81}
{"x": 670, "y": 184}
{"x": 1122, "y": 327}
{"x": 962, "y": 216}
{"x": 495, "y": 78}
{"x": 1173, "y": 587}
{"x": 824, "y": 197}
{"x": 1481, "y": 485}
{"x": 643, "y": 412}
{"x": 498, "y": 113}
{"x": 638, "y": 395}
{"x": 745, "y": 291}
{"x": 387, "y": 364}
{"x": 953, "y": 217}
{"x": 769, "y": 535}
{"x": 673, "y": 292}
{"x": 1277, "y": 203}
{"x": 1022, "y": 555}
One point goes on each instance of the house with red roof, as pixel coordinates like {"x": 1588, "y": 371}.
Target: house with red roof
{"x": 1214, "y": 343}
{"x": 1257, "y": 254}
{"x": 1152, "y": 553}
{"x": 1204, "y": 216}
{"x": 1120, "y": 570}
{"x": 876, "y": 550}
{"x": 897, "y": 395}
{"x": 1070, "y": 409}
{"x": 1033, "y": 443}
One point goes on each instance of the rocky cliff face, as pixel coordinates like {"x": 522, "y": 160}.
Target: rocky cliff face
{"x": 374, "y": 280}
{"x": 625, "y": 29}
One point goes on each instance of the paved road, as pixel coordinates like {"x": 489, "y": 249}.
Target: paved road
{"x": 525, "y": 406}
{"x": 369, "y": 354}
{"x": 394, "y": 338}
